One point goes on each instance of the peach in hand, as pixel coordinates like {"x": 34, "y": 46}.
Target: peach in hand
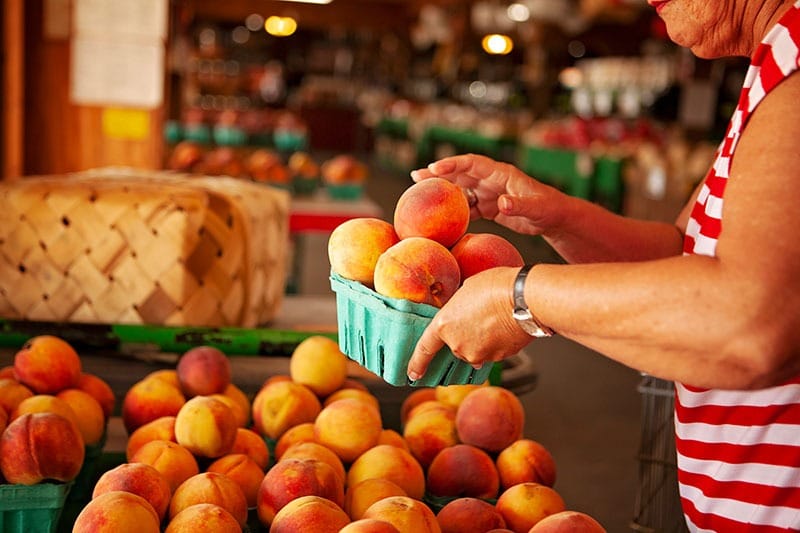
{"x": 434, "y": 208}
{"x": 418, "y": 269}
{"x": 469, "y": 515}
{"x": 47, "y": 364}
{"x": 117, "y": 512}
{"x": 355, "y": 245}
{"x": 140, "y": 479}
{"x": 476, "y": 252}
{"x": 40, "y": 446}
{"x": 463, "y": 470}
{"x": 490, "y": 418}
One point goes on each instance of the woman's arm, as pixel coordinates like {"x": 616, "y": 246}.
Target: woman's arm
{"x": 730, "y": 321}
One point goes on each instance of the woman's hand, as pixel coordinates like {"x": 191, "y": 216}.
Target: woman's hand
{"x": 505, "y": 194}
{"x": 476, "y": 323}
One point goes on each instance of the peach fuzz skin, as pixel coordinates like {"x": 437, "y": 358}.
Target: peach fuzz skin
{"x": 435, "y": 208}
{"x": 418, "y": 269}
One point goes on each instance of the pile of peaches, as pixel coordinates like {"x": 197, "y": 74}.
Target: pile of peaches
{"x": 50, "y": 413}
{"x": 426, "y": 253}
{"x": 309, "y": 451}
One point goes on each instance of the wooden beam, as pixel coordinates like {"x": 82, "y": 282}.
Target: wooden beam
{"x": 13, "y": 88}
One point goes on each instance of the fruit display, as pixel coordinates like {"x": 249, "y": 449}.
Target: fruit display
{"x": 390, "y": 278}
{"x": 313, "y": 454}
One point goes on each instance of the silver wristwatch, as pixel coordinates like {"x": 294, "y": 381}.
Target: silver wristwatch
{"x": 522, "y": 314}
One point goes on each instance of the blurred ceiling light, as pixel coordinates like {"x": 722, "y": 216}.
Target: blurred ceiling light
{"x": 497, "y": 44}
{"x": 280, "y": 26}
{"x": 571, "y": 77}
{"x": 519, "y": 12}
{"x": 254, "y": 22}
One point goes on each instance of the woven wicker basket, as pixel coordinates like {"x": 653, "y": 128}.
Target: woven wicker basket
{"x": 118, "y": 245}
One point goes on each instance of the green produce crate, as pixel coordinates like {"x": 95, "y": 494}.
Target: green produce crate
{"x": 32, "y": 508}
{"x": 380, "y": 333}
{"x": 464, "y": 141}
{"x": 394, "y": 127}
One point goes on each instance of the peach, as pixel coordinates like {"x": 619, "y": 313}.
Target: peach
{"x": 46, "y": 403}
{"x": 290, "y": 479}
{"x": 390, "y": 436}
{"x": 476, "y": 252}
{"x": 159, "y": 429}
{"x": 241, "y": 414}
{"x": 469, "y": 515}
{"x": 318, "y": 364}
{"x": 7, "y": 372}
{"x": 203, "y": 370}
{"x": 407, "y": 514}
{"x": 453, "y": 395}
{"x": 310, "y": 513}
{"x": 149, "y": 399}
{"x": 434, "y": 208}
{"x": 525, "y": 460}
{"x": 100, "y": 390}
{"x": 203, "y": 517}
{"x": 244, "y": 471}
{"x": 463, "y": 470}
{"x": 40, "y": 446}
{"x": 117, "y": 512}
{"x": 313, "y": 450}
{"x": 418, "y": 269}
{"x": 210, "y": 487}
{"x": 349, "y": 427}
{"x": 176, "y": 463}
{"x": 250, "y": 443}
{"x": 359, "y": 497}
{"x": 295, "y": 434}
{"x": 392, "y": 463}
{"x": 3, "y": 420}
{"x": 47, "y": 364}
{"x": 206, "y": 427}
{"x": 568, "y": 522}
{"x": 355, "y": 245}
{"x": 369, "y": 525}
{"x": 12, "y": 392}
{"x": 281, "y": 404}
{"x": 430, "y": 431}
{"x": 354, "y": 383}
{"x": 525, "y": 504}
{"x": 140, "y": 479}
{"x": 490, "y": 418}
{"x": 90, "y": 418}
{"x": 414, "y": 398}
{"x": 358, "y": 394}
{"x": 170, "y": 375}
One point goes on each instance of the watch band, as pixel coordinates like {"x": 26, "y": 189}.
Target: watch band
{"x": 522, "y": 314}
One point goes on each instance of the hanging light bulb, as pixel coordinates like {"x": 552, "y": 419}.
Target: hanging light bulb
{"x": 280, "y": 26}
{"x": 497, "y": 44}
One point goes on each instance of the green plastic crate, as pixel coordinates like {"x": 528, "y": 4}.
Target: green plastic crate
{"x": 32, "y": 508}
{"x": 380, "y": 333}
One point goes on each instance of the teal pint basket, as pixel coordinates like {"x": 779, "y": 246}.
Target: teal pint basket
{"x": 380, "y": 333}
{"x": 32, "y": 508}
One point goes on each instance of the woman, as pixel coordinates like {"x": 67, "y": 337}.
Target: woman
{"x": 712, "y": 302}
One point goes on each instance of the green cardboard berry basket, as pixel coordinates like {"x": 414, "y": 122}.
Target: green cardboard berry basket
{"x": 32, "y": 508}
{"x": 380, "y": 333}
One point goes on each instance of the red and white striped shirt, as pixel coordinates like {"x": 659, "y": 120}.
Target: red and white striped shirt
{"x": 739, "y": 451}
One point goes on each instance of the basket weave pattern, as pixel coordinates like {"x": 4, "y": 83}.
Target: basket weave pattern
{"x": 123, "y": 246}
